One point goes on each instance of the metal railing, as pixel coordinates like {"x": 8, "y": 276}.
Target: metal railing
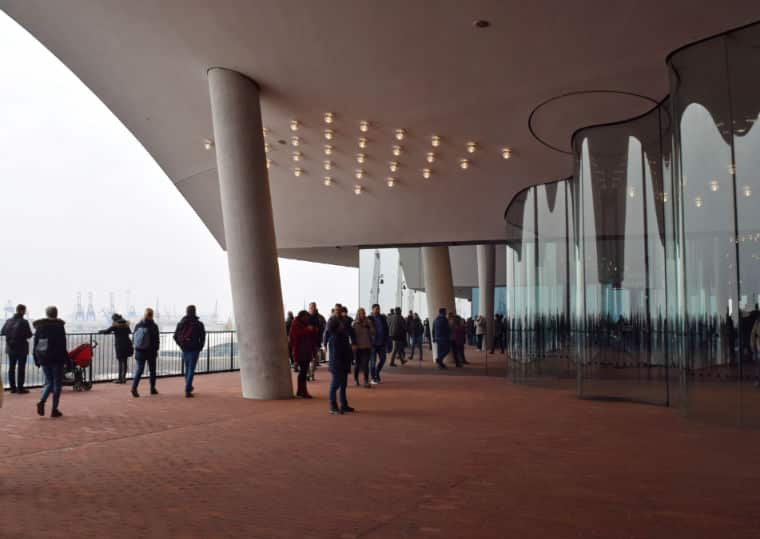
{"x": 220, "y": 354}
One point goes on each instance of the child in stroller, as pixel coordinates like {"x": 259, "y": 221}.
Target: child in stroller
{"x": 75, "y": 372}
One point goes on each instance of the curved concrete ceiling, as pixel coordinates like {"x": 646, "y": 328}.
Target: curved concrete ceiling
{"x": 418, "y": 65}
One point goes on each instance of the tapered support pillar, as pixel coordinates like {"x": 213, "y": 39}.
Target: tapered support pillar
{"x": 486, "y": 277}
{"x": 439, "y": 285}
{"x": 249, "y": 234}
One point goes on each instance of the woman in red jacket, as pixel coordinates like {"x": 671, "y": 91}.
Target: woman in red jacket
{"x": 302, "y": 338}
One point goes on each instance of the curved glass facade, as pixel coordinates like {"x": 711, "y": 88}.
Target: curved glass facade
{"x": 639, "y": 278}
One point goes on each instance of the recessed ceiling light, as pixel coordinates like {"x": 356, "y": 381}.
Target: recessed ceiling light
{"x": 747, "y": 191}
{"x": 327, "y": 181}
{"x": 208, "y": 143}
{"x": 363, "y": 126}
{"x": 327, "y": 165}
{"x": 435, "y": 140}
{"x": 714, "y": 186}
{"x": 506, "y": 153}
{"x": 295, "y": 140}
{"x": 294, "y": 125}
{"x": 426, "y": 173}
{"x": 698, "y": 202}
{"x": 362, "y": 142}
{"x": 358, "y": 174}
{"x": 296, "y": 156}
{"x": 297, "y": 171}
{"x": 391, "y": 181}
{"x": 393, "y": 166}
{"x": 269, "y": 163}
{"x": 265, "y": 131}
{"x": 267, "y": 147}
{"x": 329, "y": 117}
{"x": 430, "y": 157}
{"x": 358, "y": 189}
{"x": 328, "y": 149}
{"x": 360, "y": 157}
{"x": 396, "y": 150}
{"x": 399, "y": 133}
{"x": 481, "y": 23}
{"x": 328, "y": 134}
{"x": 471, "y": 147}
{"x": 464, "y": 164}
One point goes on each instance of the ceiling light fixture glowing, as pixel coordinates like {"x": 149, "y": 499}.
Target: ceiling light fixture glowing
{"x": 747, "y": 191}
{"x": 358, "y": 189}
{"x": 464, "y": 164}
{"x": 208, "y": 144}
{"x": 435, "y": 140}
{"x": 393, "y": 166}
{"x": 506, "y": 153}
{"x": 362, "y": 142}
{"x": 267, "y": 147}
{"x": 430, "y": 157}
{"x": 665, "y": 197}
{"x": 698, "y": 202}
{"x": 265, "y": 131}
{"x": 329, "y": 134}
{"x": 295, "y": 140}
{"x": 269, "y": 163}
{"x": 471, "y": 147}
{"x": 358, "y": 174}
{"x": 327, "y": 181}
{"x": 327, "y": 165}
{"x": 397, "y": 150}
{"x": 360, "y": 157}
{"x": 426, "y": 173}
{"x": 328, "y": 149}
{"x": 294, "y": 125}
{"x": 297, "y": 156}
{"x": 297, "y": 171}
{"x": 632, "y": 192}
{"x": 364, "y": 126}
{"x": 329, "y": 117}
{"x": 391, "y": 181}
{"x": 399, "y": 133}
{"x": 714, "y": 186}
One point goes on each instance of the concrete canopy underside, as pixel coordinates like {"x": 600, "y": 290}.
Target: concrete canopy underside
{"x": 420, "y": 65}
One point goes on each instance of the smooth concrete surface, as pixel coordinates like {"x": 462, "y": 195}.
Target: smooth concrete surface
{"x": 486, "y": 281}
{"x": 439, "y": 284}
{"x": 250, "y": 236}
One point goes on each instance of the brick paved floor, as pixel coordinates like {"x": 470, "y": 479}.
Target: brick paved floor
{"x": 425, "y": 456}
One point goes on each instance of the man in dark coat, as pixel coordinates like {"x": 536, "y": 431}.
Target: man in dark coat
{"x": 339, "y": 339}
{"x": 397, "y": 328}
{"x": 51, "y": 354}
{"x": 442, "y": 337}
{"x": 414, "y": 329}
{"x": 122, "y": 344}
{"x": 190, "y": 335}
{"x": 317, "y": 321}
{"x": 380, "y": 339}
{"x": 17, "y": 333}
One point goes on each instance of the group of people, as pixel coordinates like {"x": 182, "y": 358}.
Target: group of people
{"x": 364, "y": 343}
{"x": 477, "y": 328}
{"x": 49, "y": 350}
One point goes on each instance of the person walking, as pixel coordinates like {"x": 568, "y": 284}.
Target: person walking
{"x": 458, "y": 336}
{"x": 442, "y": 337}
{"x": 17, "y": 333}
{"x": 480, "y": 330}
{"x": 318, "y": 321}
{"x": 415, "y": 330}
{"x": 122, "y": 344}
{"x": 397, "y": 328}
{"x": 427, "y": 334}
{"x": 302, "y": 343}
{"x": 147, "y": 341}
{"x": 190, "y": 335}
{"x": 339, "y": 338}
{"x": 380, "y": 338}
{"x": 50, "y": 354}
{"x": 363, "y": 334}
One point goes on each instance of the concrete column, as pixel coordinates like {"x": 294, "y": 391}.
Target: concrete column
{"x": 439, "y": 285}
{"x": 486, "y": 280}
{"x": 249, "y": 234}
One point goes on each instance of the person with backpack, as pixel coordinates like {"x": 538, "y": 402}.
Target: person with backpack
{"x": 147, "y": 341}
{"x": 190, "y": 335}
{"x": 17, "y": 333}
{"x": 122, "y": 344}
{"x": 50, "y": 354}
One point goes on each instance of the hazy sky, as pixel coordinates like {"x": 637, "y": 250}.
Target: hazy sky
{"x": 85, "y": 208}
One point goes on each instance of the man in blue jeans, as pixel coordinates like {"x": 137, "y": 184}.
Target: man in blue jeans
{"x": 340, "y": 340}
{"x": 190, "y": 335}
{"x": 380, "y": 342}
{"x": 50, "y": 353}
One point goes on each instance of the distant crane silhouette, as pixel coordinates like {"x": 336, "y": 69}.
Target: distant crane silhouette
{"x": 90, "y": 316}
{"x": 79, "y": 314}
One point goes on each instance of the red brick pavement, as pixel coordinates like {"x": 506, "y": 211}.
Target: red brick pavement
{"x": 425, "y": 456}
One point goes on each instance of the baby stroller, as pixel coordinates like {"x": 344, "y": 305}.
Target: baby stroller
{"x": 80, "y": 359}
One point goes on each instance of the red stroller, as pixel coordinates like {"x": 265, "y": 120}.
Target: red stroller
{"x": 80, "y": 359}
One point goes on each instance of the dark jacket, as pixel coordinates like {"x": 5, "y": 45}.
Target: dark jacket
{"x": 379, "y": 339}
{"x": 397, "y": 327}
{"x": 302, "y": 341}
{"x": 339, "y": 336}
{"x": 318, "y": 321}
{"x": 198, "y": 335}
{"x": 155, "y": 339}
{"x": 441, "y": 329}
{"x": 17, "y": 333}
{"x": 51, "y": 329}
{"x": 415, "y": 328}
{"x": 121, "y": 341}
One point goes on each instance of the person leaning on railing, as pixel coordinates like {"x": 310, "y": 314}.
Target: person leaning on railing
{"x": 122, "y": 344}
{"x": 146, "y": 343}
